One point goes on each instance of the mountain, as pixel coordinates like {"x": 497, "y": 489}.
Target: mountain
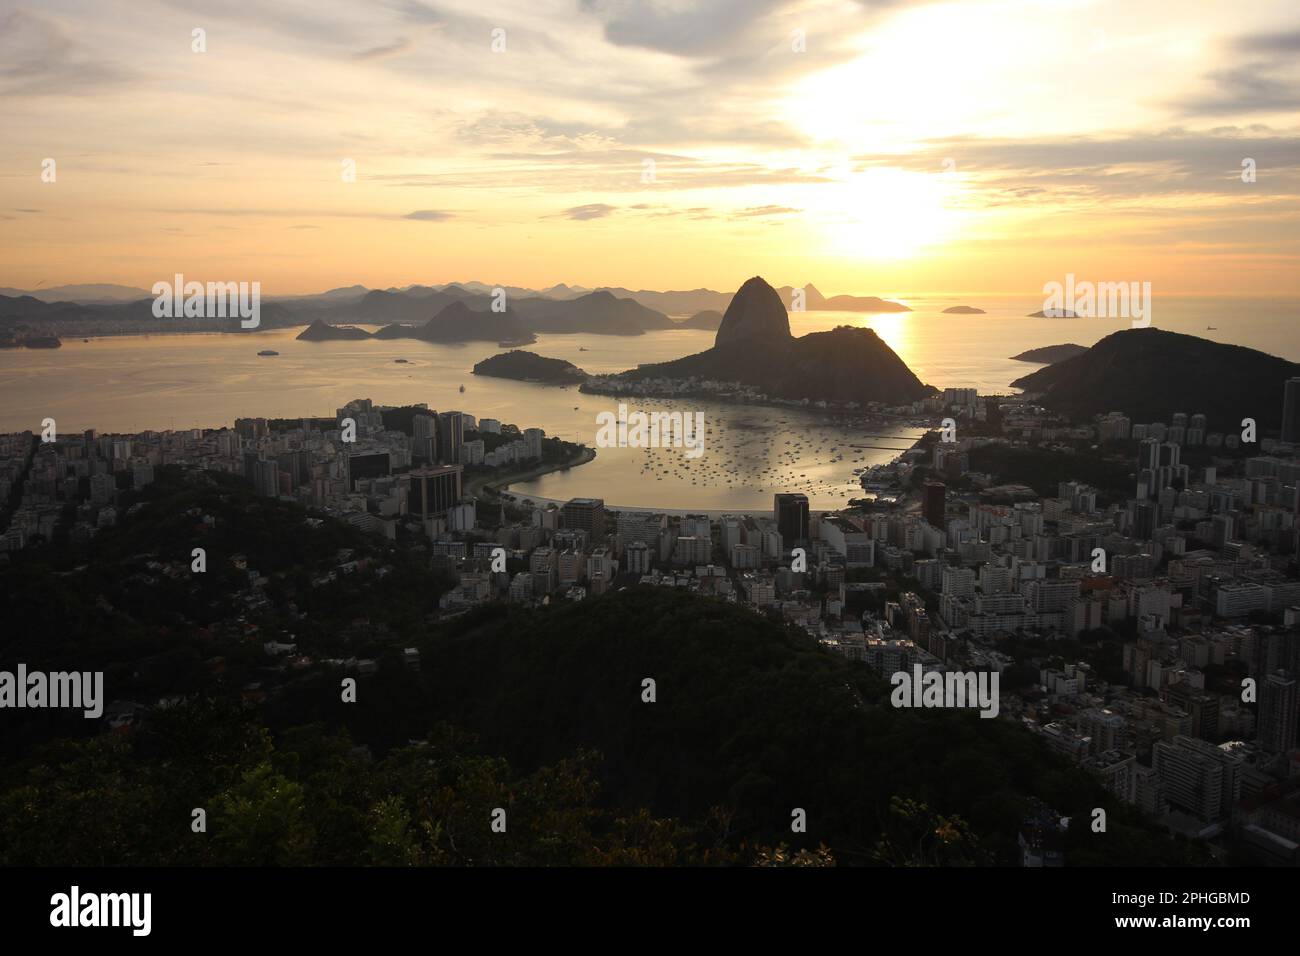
{"x": 755, "y": 312}
{"x": 859, "y": 303}
{"x": 530, "y": 367}
{"x": 85, "y": 294}
{"x": 673, "y": 303}
{"x": 963, "y": 310}
{"x": 457, "y": 322}
{"x": 814, "y": 301}
{"x": 23, "y": 305}
{"x": 600, "y": 312}
{"x": 1149, "y": 374}
{"x": 709, "y": 320}
{"x": 320, "y": 331}
{"x": 75, "y": 318}
{"x": 562, "y": 291}
{"x": 351, "y": 293}
{"x": 1050, "y": 354}
{"x": 754, "y": 347}
{"x": 381, "y": 306}
{"x": 750, "y": 715}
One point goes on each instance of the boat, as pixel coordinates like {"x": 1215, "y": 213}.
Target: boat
{"x": 582, "y": 348}
{"x": 268, "y": 352}
{"x": 1211, "y": 328}
{"x": 403, "y": 362}
{"x": 462, "y": 388}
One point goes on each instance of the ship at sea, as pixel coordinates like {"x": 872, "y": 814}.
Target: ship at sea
{"x": 268, "y": 352}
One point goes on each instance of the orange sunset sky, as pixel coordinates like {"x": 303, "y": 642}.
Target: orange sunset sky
{"x": 869, "y": 147}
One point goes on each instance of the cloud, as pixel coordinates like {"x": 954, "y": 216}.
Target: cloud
{"x": 754, "y": 212}
{"x": 38, "y": 57}
{"x": 709, "y": 29}
{"x": 428, "y": 215}
{"x": 1287, "y": 43}
{"x": 1268, "y": 83}
{"x": 1171, "y": 162}
{"x": 385, "y": 51}
{"x": 595, "y": 210}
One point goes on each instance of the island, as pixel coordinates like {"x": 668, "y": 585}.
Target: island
{"x": 530, "y": 367}
{"x": 322, "y": 331}
{"x": 1050, "y": 354}
{"x": 1056, "y": 314}
{"x": 963, "y": 310}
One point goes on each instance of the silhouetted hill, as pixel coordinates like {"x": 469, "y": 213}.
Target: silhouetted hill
{"x": 530, "y": 367}
{"x": 1149, "y": 374}
{"x": 754, "y": 347}
{"x": 750, "y": 715}
{"x": 963, "y": 310}
{"x": 599, "y": 312}
{"x": 1050, "y": 354}
{"x": 320, "y": 331}
{"x": 457, "y": 322}
{"x": 756, "y": 314}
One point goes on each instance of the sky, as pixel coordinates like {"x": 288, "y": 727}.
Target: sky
{"x": 866, "y": 146}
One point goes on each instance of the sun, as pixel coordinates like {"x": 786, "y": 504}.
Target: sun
{"x": 886, "y": 214}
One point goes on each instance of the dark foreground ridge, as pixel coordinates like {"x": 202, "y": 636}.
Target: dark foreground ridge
{"x": 751, "y": 719}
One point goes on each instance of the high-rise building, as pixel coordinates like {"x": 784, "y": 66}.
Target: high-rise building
{"x": 636, "y": 557}
{"x": 533, "y": 439}
{"x": 932, "y": 503}
{"x": 266, "y": 478}
{"x": 790, "y": 511}
{"x": 434, "y": 490}
{"x": 424, "y": 441}
{"x": 1279, "y": 710}
{"x": 1198, "y": 777}
{"x": 451, "y": 435}
{"x": 1148, "y": 454}
{"x": 586, "y": 514}
{"x": 1291, "y": 411}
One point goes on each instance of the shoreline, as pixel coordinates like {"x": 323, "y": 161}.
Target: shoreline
{"x": 498, "y": 485}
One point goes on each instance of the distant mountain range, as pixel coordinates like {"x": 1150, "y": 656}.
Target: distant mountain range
{"x": 754, "y": 346}
{"x": 90, "y": 293}
{"x": 455, "y": 322}
{"x": 371, "y": 301}
{"x": 1150, "y": 374}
